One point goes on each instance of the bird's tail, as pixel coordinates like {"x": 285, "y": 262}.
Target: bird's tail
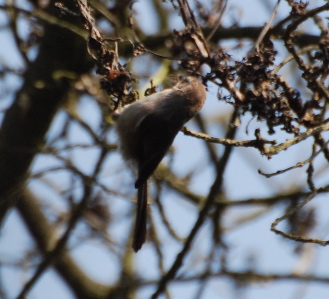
{"x": 141, "y": 217}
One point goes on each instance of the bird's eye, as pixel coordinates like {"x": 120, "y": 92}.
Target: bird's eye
{"x": 183, "y": 79}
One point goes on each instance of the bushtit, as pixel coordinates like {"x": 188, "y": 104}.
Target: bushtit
{"x": 146, "y": 130}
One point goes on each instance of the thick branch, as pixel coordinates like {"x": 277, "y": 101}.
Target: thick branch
{"x": 26, "y": 122}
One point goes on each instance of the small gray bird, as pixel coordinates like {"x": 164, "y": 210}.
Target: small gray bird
{"x": 146, "y": 130}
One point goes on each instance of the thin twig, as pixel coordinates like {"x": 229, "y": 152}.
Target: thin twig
{"x": 228, "y": 142}
{"x": 292, "y": 211}
{"x": 297, "y": 165}
{"x": 266, "y": 28}
{"x": 275, "y": 149}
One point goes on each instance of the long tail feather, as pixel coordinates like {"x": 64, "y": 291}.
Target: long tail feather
{"x": 141, "y": 218}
